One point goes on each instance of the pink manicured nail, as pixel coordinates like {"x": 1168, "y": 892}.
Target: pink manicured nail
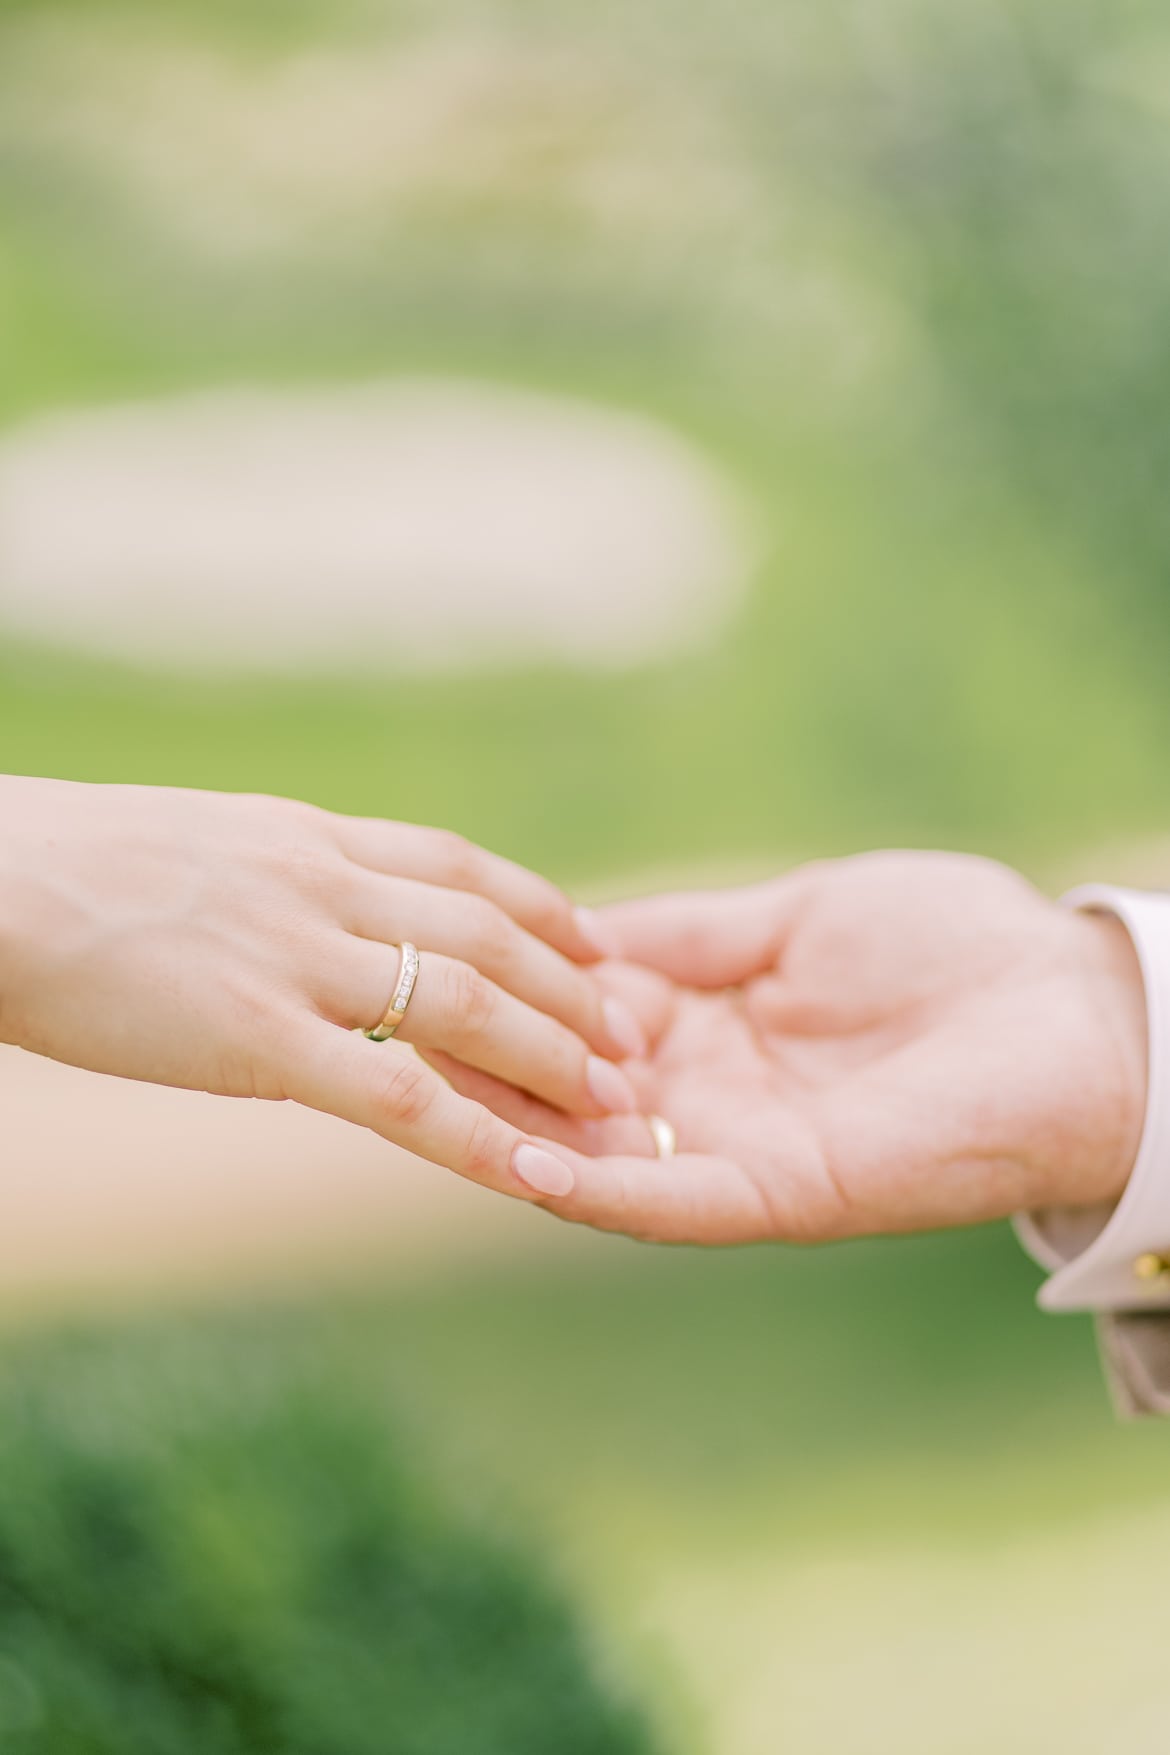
{"x": 609, "y": 1086}
{"x": 597, "y": 934}
{"x": 624, "y": 1027}
{"x": 541, "y": 1171}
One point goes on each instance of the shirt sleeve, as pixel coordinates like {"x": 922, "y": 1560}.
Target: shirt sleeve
{"x": 1115, "y": 1260}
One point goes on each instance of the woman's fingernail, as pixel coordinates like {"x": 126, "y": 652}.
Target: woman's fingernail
{"x": 624, "y": 1027}
{"x": 596, "y": 933}
{"x": 541, "y": 1171}
{"x": 609, "y": 1086}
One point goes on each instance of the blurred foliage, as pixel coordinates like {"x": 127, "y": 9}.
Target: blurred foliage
{"x": 208, "y": 1542}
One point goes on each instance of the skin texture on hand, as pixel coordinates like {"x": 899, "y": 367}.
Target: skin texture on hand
{"x": 238, "y": 944}
{"x": 893, "y": 1042}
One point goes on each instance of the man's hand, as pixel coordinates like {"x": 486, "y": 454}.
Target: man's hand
{"x": 888, "y": 1043}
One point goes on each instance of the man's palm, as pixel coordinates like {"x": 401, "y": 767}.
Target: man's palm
{"x": 889, "y": 1043}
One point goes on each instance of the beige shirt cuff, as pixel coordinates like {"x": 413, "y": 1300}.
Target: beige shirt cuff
{"x": 1106, "y": 1259}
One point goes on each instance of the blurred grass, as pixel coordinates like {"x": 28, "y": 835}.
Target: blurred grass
{"x": 930, "y": 345}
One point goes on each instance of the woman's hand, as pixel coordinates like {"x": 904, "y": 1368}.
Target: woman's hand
{"x": 238, "y": 944}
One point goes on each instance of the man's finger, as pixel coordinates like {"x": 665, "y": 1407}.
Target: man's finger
{"x": 685, "y": 1199}
{"x": 708, "y": 938}
{"x": 648, "y": 997}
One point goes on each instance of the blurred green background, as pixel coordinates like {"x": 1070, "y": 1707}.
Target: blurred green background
{"x": 905, "y": 278}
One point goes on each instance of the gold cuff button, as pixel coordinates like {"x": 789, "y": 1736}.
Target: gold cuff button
{"x": 1152, "y": 1268}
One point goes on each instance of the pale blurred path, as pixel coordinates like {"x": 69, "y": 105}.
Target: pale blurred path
{"x": 408, "y": 526}
{"x": 109, "y": 1188}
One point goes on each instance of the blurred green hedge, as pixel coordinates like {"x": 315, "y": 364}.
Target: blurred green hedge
{"x": 208, "y": 1543}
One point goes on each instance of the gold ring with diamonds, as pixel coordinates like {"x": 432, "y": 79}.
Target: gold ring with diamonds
{"x": 664, "y": 1137}
{"x": 400, "y": 998}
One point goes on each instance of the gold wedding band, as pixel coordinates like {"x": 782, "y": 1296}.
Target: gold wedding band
{"x": 664, "y": 1136}
{"x": 400, "y": 998}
